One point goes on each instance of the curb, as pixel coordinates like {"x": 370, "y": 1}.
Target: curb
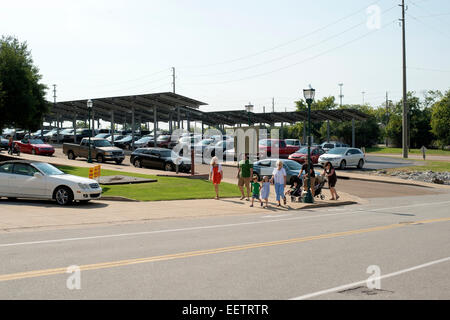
{"x": 430, "y": 186}
{"x": 114, "y": 198}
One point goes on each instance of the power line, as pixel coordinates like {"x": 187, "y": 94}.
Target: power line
{"x": 285, "y": 43}
{"x": 297, "y": 63}
{"x": 132, "y": 80}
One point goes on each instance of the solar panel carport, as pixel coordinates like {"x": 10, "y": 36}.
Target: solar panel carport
{"x": 174, "y": 108}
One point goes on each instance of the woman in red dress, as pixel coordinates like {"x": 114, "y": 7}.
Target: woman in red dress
{"x": 216, "y": 174}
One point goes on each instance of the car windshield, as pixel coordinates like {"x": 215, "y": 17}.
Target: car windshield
{"x": 163, "y": 138}
{"x": 337, "y": 151}
{"x": 206, "y": 142}
{"x": 143, "y": 140}
{"x": 47, "y": 169}
{"x": 102, "y": 143}
{"x": 36, "y": 141}
{"x": 292, "y": 165}
{"x": 302, "y": 150}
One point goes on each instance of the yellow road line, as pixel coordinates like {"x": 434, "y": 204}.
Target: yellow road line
{"x": 121, "y": 263}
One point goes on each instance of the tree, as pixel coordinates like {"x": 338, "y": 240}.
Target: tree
{"x": 22, "y": 96}
{"x": 440, "y": 120}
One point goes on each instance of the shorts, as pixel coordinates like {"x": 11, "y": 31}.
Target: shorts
{"x": 244, "y": 181}
{"x": 332, "y": 183}
{"x": 305, "y": 182}
{"x": 255, "y": 196}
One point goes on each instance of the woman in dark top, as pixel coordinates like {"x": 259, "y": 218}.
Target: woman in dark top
{"x": 332, "y": 179}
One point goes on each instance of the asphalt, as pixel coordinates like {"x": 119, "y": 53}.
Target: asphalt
{"x": 256, "y": 256}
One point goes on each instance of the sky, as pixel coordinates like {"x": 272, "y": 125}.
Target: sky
{"x": 231, "y": 53}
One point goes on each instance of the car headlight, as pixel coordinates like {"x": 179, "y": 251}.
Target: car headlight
{"x": 83, "y": 186}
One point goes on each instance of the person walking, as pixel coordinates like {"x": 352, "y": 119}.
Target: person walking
{"x": 245, "y": 172}
{"x": 330, "y": 173}
{"x": 256, "y": 188}
{"x": 279, "y": 179}
{"x": 311, "y": 176}
{"x": 265, "y": 190}
{"x": 216, "y": 174}
{"x": 10, "y": 145}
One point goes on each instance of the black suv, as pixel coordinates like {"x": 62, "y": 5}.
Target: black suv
{"x": 159, "y": 158}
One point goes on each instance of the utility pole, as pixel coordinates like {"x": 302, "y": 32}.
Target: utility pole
{"x": 173, "y": 79}
{"x": 363, "y": 93}
{"x": 405, "y": 108}
{"x": 273, "y": 104}
{"x": 340, "y": 94}
{"x": 54, "y": 110}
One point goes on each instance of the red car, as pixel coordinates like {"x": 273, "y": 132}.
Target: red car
{"x": 35, "y": 146}
{"x": 301, "y": 154}
{"x": 270, "y": 146}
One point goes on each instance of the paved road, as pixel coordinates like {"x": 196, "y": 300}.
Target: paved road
{"x": 316, "y": 254}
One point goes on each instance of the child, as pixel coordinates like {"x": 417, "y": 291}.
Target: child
{"x": 216, "y": 174}
{"x": 294, "y": 190}
{"x": 265, "y": 190}
{"x": 255, "y": 190}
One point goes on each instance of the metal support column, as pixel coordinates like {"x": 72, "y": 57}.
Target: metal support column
{"x": 74, "y": 123}
{"x": 133, "y": 127}
{"x": 155, "y": 124}
{"x": 328, "y": 130}
{"x": 112, "y": 127}
{"x": 353, "y": 132}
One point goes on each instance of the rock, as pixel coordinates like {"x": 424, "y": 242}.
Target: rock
{"x": 437, "y": 181}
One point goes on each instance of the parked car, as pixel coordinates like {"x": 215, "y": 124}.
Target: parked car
{"x": 201, "y": 145}
{"x": 28, "y": 179}
{"x": 50, "y": 136}
{"x": 4, "y": 143}
{"x": 38, "y": 135}
{"x": 333, "y": 144}
{"x": 116, "y": 137}
{"x": 220, "y": 146}
{"x": 35, "y": 146}
{"x": 265, "y": 167}
{"x": 144, "y": 142}
{"x": 103, "y": 135}
{"x": 159, "y": 158}
{"x": 101, "y": 150}
{"x": 163, "y": 141}
{"x": 301, "y": 154}
{"x": 343, "y": 157}
{"x": 125, "y": 142}
{"x": 293, "y": 142}
{"x": 269, "y": 146}
{"x": 66, "y": 135}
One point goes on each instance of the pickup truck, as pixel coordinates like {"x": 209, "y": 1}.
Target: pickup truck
{"x": 269, "y": 147}
{"x": 101, "y": 150}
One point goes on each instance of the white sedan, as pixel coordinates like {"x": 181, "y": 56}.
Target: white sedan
{"x": 39, "y": 180}
{"x": 343, "y": 157}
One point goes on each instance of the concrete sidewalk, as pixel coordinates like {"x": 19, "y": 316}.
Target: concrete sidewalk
{"x": 22, "y": 215}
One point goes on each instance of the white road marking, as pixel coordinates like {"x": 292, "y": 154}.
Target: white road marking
{"x": 209, "y": 227}
{"x": 354, "y": 284}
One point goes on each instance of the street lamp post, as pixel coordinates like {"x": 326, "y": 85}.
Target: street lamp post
{"x": 309, "y": 97}
{"x": 89, "y": 106}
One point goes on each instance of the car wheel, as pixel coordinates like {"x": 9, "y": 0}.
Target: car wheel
{"x": 360, "y": 163}
{"x": 119, "y": 161}
{"x": 168, "y": 167}
{"x": 71, "y": 155}
{"x": 257, "y": 175}
{"x": 342, "y": 165}
{"x": 137, "y": 163}
{"x": 63, "y": 196}
{"x": 100, "y": 158}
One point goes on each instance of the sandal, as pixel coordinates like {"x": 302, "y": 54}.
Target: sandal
{"x": 337, "y": 198}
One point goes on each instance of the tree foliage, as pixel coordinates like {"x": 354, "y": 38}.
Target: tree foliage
{"x": 440, "y": 120}
{"x": 22, "y": 96}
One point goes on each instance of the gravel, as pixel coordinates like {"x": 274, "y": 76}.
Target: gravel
{"x": 426, "y": 176}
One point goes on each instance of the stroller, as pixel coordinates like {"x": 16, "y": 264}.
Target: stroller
{"x": 15, "y": 149}
{"x": 318, "y": 186}
{"x": 296, "y": 192}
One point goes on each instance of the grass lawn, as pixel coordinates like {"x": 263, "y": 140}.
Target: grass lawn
{"x": 413, "y": 151}
{"x": 167, "y": 188}
{"x": 436, "y": 166}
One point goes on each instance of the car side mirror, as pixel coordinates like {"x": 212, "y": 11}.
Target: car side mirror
{"x": 38, "y": 175}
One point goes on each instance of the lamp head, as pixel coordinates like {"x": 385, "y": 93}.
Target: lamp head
{"x": 89, "y": 104}
{"x": 309, "y": 94}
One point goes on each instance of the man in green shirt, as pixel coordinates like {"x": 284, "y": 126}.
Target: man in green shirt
{"x": 245, "y": 172}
